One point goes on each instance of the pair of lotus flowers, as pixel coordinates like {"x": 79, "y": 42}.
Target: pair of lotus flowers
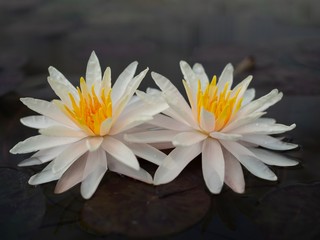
{"x": 98, "y": 127}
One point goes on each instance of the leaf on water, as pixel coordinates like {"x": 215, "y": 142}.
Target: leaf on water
{"x": 135, "y": 209}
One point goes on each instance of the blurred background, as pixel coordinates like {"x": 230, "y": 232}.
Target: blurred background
{"x": 278, "y": 42}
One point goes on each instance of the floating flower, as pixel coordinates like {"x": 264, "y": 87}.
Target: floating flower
{"x": 82, "y": 133}
{"x": 223, "y": 124}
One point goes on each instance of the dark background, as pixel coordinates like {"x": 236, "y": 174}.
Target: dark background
{"x": 278, "y": 42}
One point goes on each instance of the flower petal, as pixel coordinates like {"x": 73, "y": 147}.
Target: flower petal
{"x": 42, "y": 156}
{"x": 226, "y": 76}
{"x": 97, "y": 161}
{"x": 72, "y": 176}
{"x": 38, "y": 122}
{"x": 248, "y": 96}
{"x": 207, "y": 120}
{"x": 190, "y": 77}
{"x": 122, "y": 82}
{"x": 225, "y": 136}
{"x": 188, "y": 138}
{"x": 105, "y": 126}
{"x": 61, "y": 86}
{"x": 120, "y": 152}
{"x": 118, "y": 167}
{"x": 46, "y": 175}
{"x": 233, "y": 173}
{"x": 240, "y": 121}
{"x": 272, "y": 158}
{"x": 106, "y": 80}
{"x": 166, "y": 122}
{"x": 263, "y": 128}
{"x": 69, "y": 155}
{"x": 201, "y": 74}
{"x": 39, "y": 142}
{"x": 62, "y": 131}
{"x": 126, "y": 123}
{"x": 147, "y": 152}
{"x": 48, "y": 109}
{"x": 151, "y": 136}
{"x": 93, "y": 143}
{"x": 93, "y": 73}
{"x": 268, "y": 142}
{"x": 212, "y": 165}
{"x": 175, "y": 162}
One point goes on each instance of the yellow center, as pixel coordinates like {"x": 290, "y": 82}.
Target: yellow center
{"x": 222, "y": 104}
{"x": 90, "y": 111}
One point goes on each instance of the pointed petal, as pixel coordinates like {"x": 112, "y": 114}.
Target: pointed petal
{"x": 226, "y": 76}
{"x": 48, "y": 109}
{"x": 42, "y": 156}
{"x": 207, "y": 120}
{"x": 274, "y": 159}
{"x": 93, "y": 73}
{"x": 62, "y": 131}
{"x": 106, "y": 81}
{"x": 69, "y": 155}
{"x": 122, "y": 82}
{"x": 72, "y": 176}
{"x": 201, "y": 74}
{"x": 38, "y": 122}
{"x": 39, "y": 142}
{"x": 105, "y": 126}
{"x": 93, "y": 143}
{"x": 188, "y": 138}
{"x": 163, "y": 121}
{"x": 240, "y": 121}
{"x": 248, "y": 96}
{"x": 233, "y": 173}
{"x": 213, "y": 165}
{"x": 151, "y": 136}
{"x": 269, "y": 142}
{"x": 46, "y": 175}
{"x": 225, "y": 136}
{"x": 147, "y": 152}
{"x": 190, "y": 78}
{"x": 118, "y": 167}
{"x": 120, "y": 152}
{"x": 263, "y": 128}
{"x": 175, "y": 162}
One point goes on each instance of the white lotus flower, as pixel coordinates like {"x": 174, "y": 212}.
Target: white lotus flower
{"x": 223, "y": 124}
{"x": 83, "y": 132}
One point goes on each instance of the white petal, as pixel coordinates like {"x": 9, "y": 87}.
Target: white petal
{"x": 61, "y": 86}
{"x": 233, "y": 173}
{"x": 188, "y": 138}
{"x": 122, "y": 82}
{"x": 173, "y": 97}
{"x": 248, "y": 159}
{"x": 166, "y": 122}
{"x": 98, "y": 163}
{"x": 175, "y": 162}
{"x": 93, "y": 73}
{"x": 62, "y": 131}
{"x": 201, "y": 74}
{"x": 120, "y": 151}
{"x": 151, "y": 136}
{"x": 124, "y": 124}
{"x": 105, "y": 126}
{"x": 48, "y": 109}
{"x": 240, "y": 121}
{"x": 42, "y": 156}
{"x": 106, "y": 81}
{"x": 147, "y": 152}
{"x": 72, "y": 176}
{"x": 272, "y": 158}
{"x": 46, "y": 175}
{"x": 93, "y": 143}
{"x": 69, "y": 155}
{"x": 38, "y": 122}
{"x": 190, "y": 78}
{"x": 39, "y": 142}
{"x": 213, "y": 165}
{"x": 207, "y": 120}
{"x": 269, "y": 142}
{"x": 121, "y": 168}
{"x": 225, "y": 136}
{"x": 248, "y": 96}
{"x": 263, "y": 128}
{"x": 226, "y": 76}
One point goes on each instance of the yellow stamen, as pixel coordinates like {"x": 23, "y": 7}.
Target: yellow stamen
{"x": 90, "y": 110}
{"x": 223, "y": 105}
